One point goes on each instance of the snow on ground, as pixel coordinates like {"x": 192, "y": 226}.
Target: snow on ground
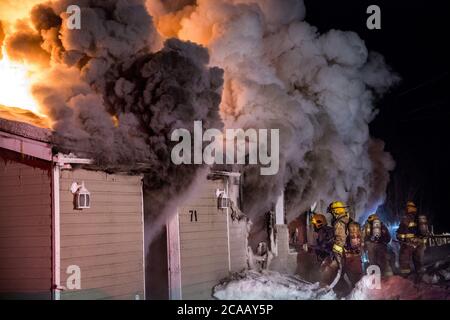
{"x": 433, "y": 285}
{"x": 438, "y": 272}
{"x": 270, "y": 285}
{"x": 398, "y": 288}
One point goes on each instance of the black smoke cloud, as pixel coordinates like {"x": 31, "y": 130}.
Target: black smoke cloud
{"x": 115, "y": 99}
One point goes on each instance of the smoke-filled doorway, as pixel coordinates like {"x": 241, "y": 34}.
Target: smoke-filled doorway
{"x": 157, "y": 271}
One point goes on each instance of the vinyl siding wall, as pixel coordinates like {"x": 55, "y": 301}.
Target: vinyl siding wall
{"x": 206, "y": 256}
{"x": 203, "y": 243}
{"x": 25, "y": 230}
{"x": 105, "y": 241}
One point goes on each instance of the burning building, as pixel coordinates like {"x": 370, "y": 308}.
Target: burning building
{"x": 114, "y": 91}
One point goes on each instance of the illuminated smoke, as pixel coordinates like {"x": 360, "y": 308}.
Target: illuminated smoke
{"x": 2, "y": 37}
{"x": 112, "y": 97}
{"x": 318, "y": 89}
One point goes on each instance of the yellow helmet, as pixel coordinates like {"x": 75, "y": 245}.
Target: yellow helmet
{"x": 373, "y": 217}
{"x": 318, "y": 220}
{"x": 411, "y": 207}
{"x": 337, "y": 209}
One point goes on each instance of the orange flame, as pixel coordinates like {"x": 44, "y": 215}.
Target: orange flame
{"x": 16, "y": 100}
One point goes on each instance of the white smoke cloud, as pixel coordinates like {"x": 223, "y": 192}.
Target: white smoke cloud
{"x": 318, "y": 89}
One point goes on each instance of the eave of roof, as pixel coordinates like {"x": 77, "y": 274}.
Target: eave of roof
{"x": 36, "y": 142}
{"x": 25, "y": 130}
{"x": 27, "y": 146}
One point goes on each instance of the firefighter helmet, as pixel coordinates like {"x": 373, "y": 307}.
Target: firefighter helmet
{"x": 337, "y": 209}
{"x": 318, "y": 220}
{"x": 411, "y": 207}
{"x": 372, "y": 218}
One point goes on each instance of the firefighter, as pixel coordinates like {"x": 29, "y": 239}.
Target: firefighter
{"x": 353, "y": 252}
{"x": 325, "y": 235}
{"x": 376, "y": 238}
{"x": 347, "y": 245}
{"x": 412, "y": 234}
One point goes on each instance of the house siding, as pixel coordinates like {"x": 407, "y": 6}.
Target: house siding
{"x": 25, "y": 230}
{"x": 203, "y": 243}
{"x": 105, "y": 241}
{"x": 208, "y": 253}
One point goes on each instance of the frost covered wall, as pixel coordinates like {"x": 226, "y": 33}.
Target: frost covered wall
{"x": 211, "y": 243}
{"x": 238, "y": 244}
{"x": 105, "y": 241}
{"x": 284, "y": 260}
{"x": 25, "y": 229}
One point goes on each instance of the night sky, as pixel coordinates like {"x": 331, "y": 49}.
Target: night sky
{"x": 414, "y": 117}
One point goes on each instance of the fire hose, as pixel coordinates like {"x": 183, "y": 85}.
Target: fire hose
{"x": 338, "y": 275}
{"x": 336, "y": 279}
